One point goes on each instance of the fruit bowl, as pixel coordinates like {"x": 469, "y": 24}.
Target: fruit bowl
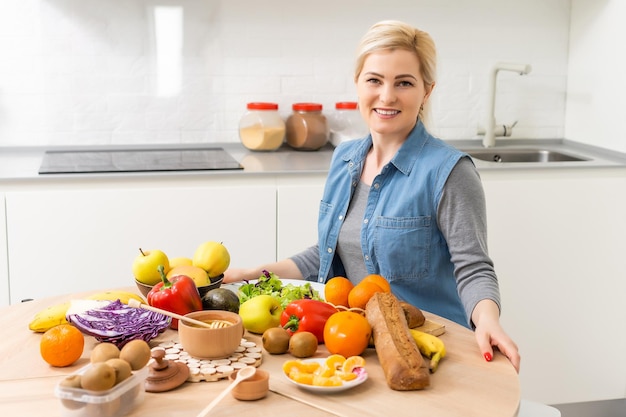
{"x": 215, "y": 283}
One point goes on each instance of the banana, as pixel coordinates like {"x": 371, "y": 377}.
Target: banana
{"x": 430, "y": 346}
{"x": 123, "y": 296}
{"x": 49, "y": 317}
{"x": 55, "y": 315}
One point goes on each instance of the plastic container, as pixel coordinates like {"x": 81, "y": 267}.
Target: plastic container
{"x": 261, "y": 128}
{"x": 114, "y": 402}
{"x": 346, "y": 123}
{"x": 307, "y": 127}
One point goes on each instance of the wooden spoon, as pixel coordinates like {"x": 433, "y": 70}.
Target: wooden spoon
{"x": 137, "y": 304}
{"x": 242, "y": 374}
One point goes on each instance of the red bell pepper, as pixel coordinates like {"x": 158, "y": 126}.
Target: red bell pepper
{"x": 178, "y": 295}
{"x": 307, "y": 315}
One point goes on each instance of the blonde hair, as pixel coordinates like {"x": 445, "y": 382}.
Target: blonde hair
{"x": 393, "y": 34}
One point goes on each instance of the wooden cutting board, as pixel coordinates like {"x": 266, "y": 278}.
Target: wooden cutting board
{"x": 432, "y": 327}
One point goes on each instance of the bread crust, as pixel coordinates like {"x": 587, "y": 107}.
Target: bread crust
{"x": 397, "y": 353}
{"x": 414, "y": 316}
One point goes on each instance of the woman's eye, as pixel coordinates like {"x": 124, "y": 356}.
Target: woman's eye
{"x": 373, "y": 80}
{"x": 405, "y": 84}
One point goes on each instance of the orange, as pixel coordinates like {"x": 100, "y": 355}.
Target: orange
{"x": 347, "y": 333}
{"x": 378, "y": 280}
{"x": 62, "y": 345}
{"x": 353, "y": 362}
{"x": 331, "y": 364}
{"x": 361, "y": 294}
{"x": 335, "y": 361}
{"x": 336, "y": 291}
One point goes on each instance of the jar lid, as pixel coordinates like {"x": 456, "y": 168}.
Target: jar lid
{"x": 307, "y": 107}
{"x": 346, "y": 105}
{"x": 262, "y": 106}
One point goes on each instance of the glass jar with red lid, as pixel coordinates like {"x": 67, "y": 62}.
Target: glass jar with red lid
{"x": 261, "y": 128}
{"x": 346, "y": 123}
{"x": 307, "y": 127}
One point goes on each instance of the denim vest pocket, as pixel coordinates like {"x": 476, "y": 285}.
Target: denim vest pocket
{"x": 402, "y": 247}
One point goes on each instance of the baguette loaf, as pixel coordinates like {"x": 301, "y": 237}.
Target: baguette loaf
{"x": 397, "y": 352}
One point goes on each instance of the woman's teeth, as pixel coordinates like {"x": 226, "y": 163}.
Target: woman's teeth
{"x": 387, "y": 112}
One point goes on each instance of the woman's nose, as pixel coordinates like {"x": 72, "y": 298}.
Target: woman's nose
{"x": 387, "y": 94}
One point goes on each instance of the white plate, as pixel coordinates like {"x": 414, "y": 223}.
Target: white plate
{"x": 361, "y": 378}
{"x": 234, "y": 286}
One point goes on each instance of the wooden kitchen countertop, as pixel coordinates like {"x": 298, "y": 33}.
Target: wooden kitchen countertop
{"x": 464, "y": 385}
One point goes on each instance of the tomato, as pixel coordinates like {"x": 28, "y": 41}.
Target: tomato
{"x": 347, "y": 333}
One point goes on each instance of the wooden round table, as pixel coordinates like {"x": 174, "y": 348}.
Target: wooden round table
{"x": 465, "y": 384}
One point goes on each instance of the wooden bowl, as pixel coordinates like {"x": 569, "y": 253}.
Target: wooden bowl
{"x": 214, "y": 343}
{"x": 215, "y": 283}
{"x": 253, "y": 388}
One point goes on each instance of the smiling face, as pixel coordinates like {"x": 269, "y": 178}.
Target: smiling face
{"x": 391, "y": 91}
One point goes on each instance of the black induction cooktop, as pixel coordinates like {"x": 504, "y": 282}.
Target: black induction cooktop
{"x": 100, "y": 161}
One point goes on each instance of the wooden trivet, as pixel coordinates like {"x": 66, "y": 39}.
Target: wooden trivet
{"x": 210, "y": 370}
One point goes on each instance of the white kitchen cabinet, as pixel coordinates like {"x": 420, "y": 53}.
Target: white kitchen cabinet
{"x": 63, "y": 241}
{"x": 298, "y": 209}
{"x": 557, "y": 240}
{"x": 4, "y": 267}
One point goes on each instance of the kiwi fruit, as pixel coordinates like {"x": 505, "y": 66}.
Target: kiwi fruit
{"x": 137, "y": 353}
{"x": 303, "y": 344}
{"x": 276, "y": 340}
{"x": 106, "y": 409}
{"x": 122, "y": 369}
{"x": 104, "y": 351}
{"x": 71, "y": 381}
{"x": 98, "y": 377}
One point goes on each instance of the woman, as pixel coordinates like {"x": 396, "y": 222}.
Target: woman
{"x": 402, "y": 203}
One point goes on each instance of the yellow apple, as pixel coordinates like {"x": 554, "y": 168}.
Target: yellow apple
{"x": 197, "y": 274}
{"x": 213, "y": 257}
{"x": 181, "y": 260}
{"x": 146, "y": 263}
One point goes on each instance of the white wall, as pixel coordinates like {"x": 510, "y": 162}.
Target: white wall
{"x": 86, "y": 71}
{"x": 596, "y": 98}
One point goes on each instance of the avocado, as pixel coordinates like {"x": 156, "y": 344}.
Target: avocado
{"x": 221, "y": 299}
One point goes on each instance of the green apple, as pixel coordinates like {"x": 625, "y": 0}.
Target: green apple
{"x": 146, "y": 263}
{"x": 260, "y": 313}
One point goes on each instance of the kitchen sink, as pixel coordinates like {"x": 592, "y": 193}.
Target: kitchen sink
{"x": 503, "y": 155}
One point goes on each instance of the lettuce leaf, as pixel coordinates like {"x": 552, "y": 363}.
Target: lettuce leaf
{"x": 270, "y": 284}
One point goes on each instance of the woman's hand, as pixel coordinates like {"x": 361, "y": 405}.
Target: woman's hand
{"x": 285, "y": 268}
{"x": 489, "y": 333}
{"x": 238, "y": 275}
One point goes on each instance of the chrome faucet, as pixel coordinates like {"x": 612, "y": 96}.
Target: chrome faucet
{"x": 489, "y": 140}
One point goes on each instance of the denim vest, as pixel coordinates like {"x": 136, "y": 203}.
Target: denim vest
{"x": 400, "y": 237}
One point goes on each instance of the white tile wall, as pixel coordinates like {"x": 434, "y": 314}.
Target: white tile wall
{"x": 596, "y": 84}
{"x": 85, "y": 71}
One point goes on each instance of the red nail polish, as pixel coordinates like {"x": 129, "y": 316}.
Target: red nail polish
{"x": 488, "y": 357}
